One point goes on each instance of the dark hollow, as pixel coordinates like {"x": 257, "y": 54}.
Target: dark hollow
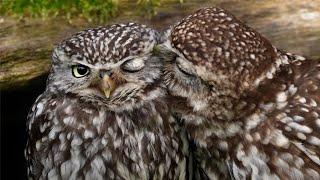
{"x": 15, "y": 106}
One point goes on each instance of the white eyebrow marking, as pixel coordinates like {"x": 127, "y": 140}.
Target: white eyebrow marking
{"x": 108, "y": 65}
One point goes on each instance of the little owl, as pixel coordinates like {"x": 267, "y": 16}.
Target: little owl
{"x": 253, "y": 111}
{"x": 103, "y": 114}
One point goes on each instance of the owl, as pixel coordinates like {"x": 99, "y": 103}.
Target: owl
{"x": 252, "y": 110}
{"x": 103, "y": 114}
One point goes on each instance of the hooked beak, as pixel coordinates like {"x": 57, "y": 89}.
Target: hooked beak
{"x": 107, "y": 85}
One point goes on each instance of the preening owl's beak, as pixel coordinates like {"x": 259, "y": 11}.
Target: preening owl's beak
{"x": 108, "y": 85}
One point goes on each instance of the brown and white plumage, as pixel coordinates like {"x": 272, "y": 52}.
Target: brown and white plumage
{"x": 252, "y": 110}
{"x": 103, "y": 114}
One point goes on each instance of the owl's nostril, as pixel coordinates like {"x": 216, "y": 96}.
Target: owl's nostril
{"x": 103, "y": 73}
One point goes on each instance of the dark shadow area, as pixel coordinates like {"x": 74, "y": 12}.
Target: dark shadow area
{"x": 15, "y": 105}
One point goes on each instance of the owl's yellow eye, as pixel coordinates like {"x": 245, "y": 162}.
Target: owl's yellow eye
{"x": 79, "y": 71}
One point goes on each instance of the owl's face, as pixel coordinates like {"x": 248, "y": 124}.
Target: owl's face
{"x": 113, "y": 66}
{"x": 192, "y": 83}
{"x": 212, "y": 59}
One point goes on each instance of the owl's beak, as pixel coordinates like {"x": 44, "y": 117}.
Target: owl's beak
{"x": 108, "y": 85}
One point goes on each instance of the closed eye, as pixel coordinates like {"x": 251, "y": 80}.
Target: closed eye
{"x": 133, "y": 65}
{"x": 184, "y": 67}
{"x": 182, "y": 70}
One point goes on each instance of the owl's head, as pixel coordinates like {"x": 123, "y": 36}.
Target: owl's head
{"x": 212, "y": 59}
{"x": 113, "y": 66}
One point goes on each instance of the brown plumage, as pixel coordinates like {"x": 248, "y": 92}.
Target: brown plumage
{"x": 253, "y": 111}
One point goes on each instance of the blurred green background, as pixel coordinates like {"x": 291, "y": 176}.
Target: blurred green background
{"x": 30, "y": 28}
{"x": 91, "y": 10}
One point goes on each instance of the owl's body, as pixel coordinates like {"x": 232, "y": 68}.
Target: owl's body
{"x": 103, "y": 114}
{"x": 278, "y": 138}
{"x": 252, "y": 111}
{"x": 70, "y": 139}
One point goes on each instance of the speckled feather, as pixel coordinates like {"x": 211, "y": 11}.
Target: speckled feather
{"x": 251, "y": 109}
{"x": 70, "y": 139}
{"x": 77, "y": 133}
{"x": 110, "y": 44}
{"x": 218, "y": 41}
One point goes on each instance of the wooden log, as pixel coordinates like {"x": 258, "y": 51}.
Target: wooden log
{"x": 25, "y": 46}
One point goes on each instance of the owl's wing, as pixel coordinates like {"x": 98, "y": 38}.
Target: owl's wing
{"x": 39, "y": 120}
{"x": 296, "y": 143}
{"x": 287, "y": 142}
{"x": 302, "y": 124}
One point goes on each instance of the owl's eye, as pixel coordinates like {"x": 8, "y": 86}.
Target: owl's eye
{"x": 79, "y": 70}
{"x": 182, "y": 67}
{"x": 133, "y": 65}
